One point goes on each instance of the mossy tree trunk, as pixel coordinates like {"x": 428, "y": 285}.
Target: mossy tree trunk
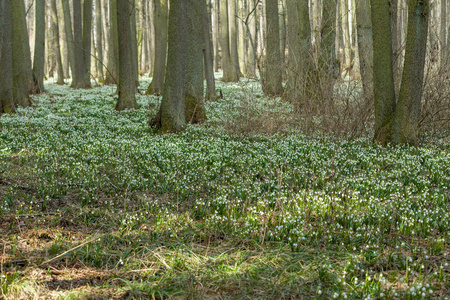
{"x": 160, "y": 27}
{"x": 127, "y": 85}
{"x": 21, "y": 67}
{"x": 273, "y": 74}
{"x": 6, "y": 79}
{"x": 172, "y": 113}
{"x": 443, "y": 34}
{"x": 55, "y": 29}
{"x": 407, "y": 113}
{"x": 39, "y": 46}
{"x": 134, "y": 45}
{"x": 365, "y": 46}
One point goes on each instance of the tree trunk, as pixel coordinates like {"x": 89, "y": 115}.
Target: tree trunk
{"x": 39, "y": 47}
{"x": 79, "y": 69}
{"x": 252, "y": 20}
{"x": 99, "y": 37}
{"x": 273, "y": 76}
{"x": 407, "y": 113}
{"x": 63, "y": 42}
{"x": 195, "y": 108}
{"x": 208, "y": 53}
{"x": 443, "y": 35}
{"x": 87, "y": 35}
{"x": 365, "y": 47}
{"x": 346, "y": 34}
{"x": 234, "y": 54}
{"x": 6, "y": 78}
{"x": 127, "y": 85}
{"x": 22, "y": 73}
{"x": 242, "y": 53}
{"x": 112, "y": 75}
{"x": 134, "y": 49}
{"x": 172, "y": 114}
{"x": 329, "y": 66}
{"x": 383, "y": 76}
{"x": 160, "y": 24}
{"x": 227, "y": 65}
{"x": 105, "y": 34}
{"x": 215, "y": 26}
{"x": 55, "y": 29}
{"x": 283, "y": 35}
{"x": 300, "y": 59}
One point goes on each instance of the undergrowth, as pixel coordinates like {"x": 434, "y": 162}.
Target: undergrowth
{"x": 94, "y": 204}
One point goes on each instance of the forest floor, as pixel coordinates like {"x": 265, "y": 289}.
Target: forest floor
{"x": 95, "y": 205}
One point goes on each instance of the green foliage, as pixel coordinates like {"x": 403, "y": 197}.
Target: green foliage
{"x": 206, "y": 212}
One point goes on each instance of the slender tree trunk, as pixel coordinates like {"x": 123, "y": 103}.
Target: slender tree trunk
{"x": 208, "y": 53}
{"x": 227, "y": 64}
{"x": 346, "y": 34}
{"x": 443, "y": 34}
{"x": 21, "y": 68}
{"x": 112, "y": 75}
{"x": 328, "y": 40}
{"x": 234, "y": 53}
{"x": 105, "y": 33}
{"x": 172, "y": 114}
{"x": 127, "y": 85}
{"x": 252, "y": 20}
{"x": 87, "y": 36}
{"x": 79, "y": 71}
{"x": 6, "y": 78}
{"x": 407, "y": 113}
{"x": 283, "y": 34}
{"x": 241, "y": 40}
{"x": 273, "y": 76}
{"x": 39, "y": 46}
{"x": 134, "y": 49}
{"x": 195, "y": 108}
{"x": 365, "y": 46}
{"x": 383, "y": 76}
{"x": 215, "y": 24}
{"x": 160, "y": 23}
{"x": 55, "y": 29}
{"x": 99, "y": 37}
{"x": 63, "y": 42}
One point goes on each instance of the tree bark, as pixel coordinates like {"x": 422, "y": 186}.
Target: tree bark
{"x": 273, "y": 76}
{"x": 215, "y": 26}
{"x": 407, "y": 113}
{"x": 99, "y": 37}
{"x": 195, "y": 108}
{"x": 21, "y": 68}
{"x": 383, "y": 76}
{"x": 208, "y": 53}
{"x": 39, "y": 47}
{"x": 346, "y": 35}
{"x": 443, "y": 34}
{"x": 55, "y": 29}
{"x": 252, "y": 20}
{"x": 6, "y": 79}
{"x": 300, "y": 55}
{"x": 127, "y": 85}
{"x": 227, "y": 65}
{"x": 112, "y": 75}
{"x": 79, "y": 68}
{"x": 234, "y": 53}
{"x": 87, "y": 36}
{"x": 365, "y": 47}
{"x": 160, "y": 25}
{"x": 134, "y": 49}
{"x": 172, "y": 114}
